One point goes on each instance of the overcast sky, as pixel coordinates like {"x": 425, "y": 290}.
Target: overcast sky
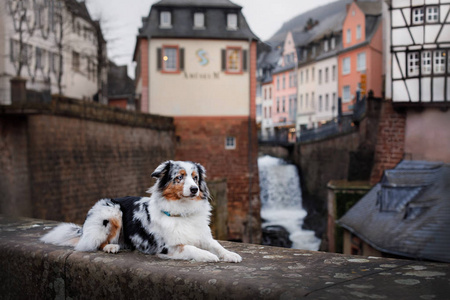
{"x": 121, "y": 19}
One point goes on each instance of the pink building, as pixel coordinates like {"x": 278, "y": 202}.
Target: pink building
{"x": 284, "y": 106}
{"x": 360, "y": 63}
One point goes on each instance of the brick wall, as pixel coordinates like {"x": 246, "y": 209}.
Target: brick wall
{"x": 76, "y": 153}
{"x": 202, "y": 139}
{"x": 389, "y": 149}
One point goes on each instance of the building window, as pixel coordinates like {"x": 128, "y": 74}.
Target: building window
{"x": 426, "y": 62}
{"x": 170, "y": 59}
{"x": 358, "y": 32}
{"x": 326, "y": 74}
{"x": 232, "y": 22}
{"x": 284, "y": 104}
{"x": 418, "y": 15}
{"x": 165, "y": 19}
{"x": 320, "y": 103}
{"x": 38, "y": 58}
{"x": 346, "y": 66}
{"x": 305, "y": 54}
{"x": 306, "y": 100}
{"x": 270, "y": 92}
{"x": 413, "y": 64}
{"x": 230, "y": 143}
{"x": 312, "y": 74}
{"x": 327, "y": 102}
{"x": 361, "y": 62}
{"x": 199, "y": 20}
{"x": 346, "y": 94}
{"x": 439, "y": 62}
{"x": 320, "y": 76}
{"x": 306, "y": 75}
{"x": 432, "y": 14}
{"x": 234, "y": 61}
{"x": 313, "y": 51}
{"x": 448, "y": 62}
{"x": 334, "y": 73}
{"x": 312, "y": 99}
{"x": 301, "y": 101}
{"x": 278, "y": 105}
{"x": 278, "y": 83}
{"x": 349, "y": 36}
{"x": 334, "y": 103}
{"x": 333, "y": 42}
{"x": 75, "y": 61}
{"x": 284, "y": 81}
{"x": 325, "y": 45}
{"x": 301, "y": 77}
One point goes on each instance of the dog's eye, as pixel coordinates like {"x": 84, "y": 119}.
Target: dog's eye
{"x": 195, "y": 178}
{"x": 179, "y": 177}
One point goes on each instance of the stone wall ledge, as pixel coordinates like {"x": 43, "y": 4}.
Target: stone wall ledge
{"x": 30, "y": 269}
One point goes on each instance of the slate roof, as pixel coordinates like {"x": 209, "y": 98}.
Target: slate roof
{"x": 182, "y": 20}
{"x": 119, "y": 84}
{"x": 407, "y": 213}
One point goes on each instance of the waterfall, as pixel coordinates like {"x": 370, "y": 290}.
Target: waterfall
{"x": 281, "y": 201}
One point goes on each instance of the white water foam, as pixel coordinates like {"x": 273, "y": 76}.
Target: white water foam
{"x": 281, "y": 201}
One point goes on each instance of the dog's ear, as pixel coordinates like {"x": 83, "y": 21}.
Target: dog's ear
{"x": 162, "y": 174}
{"x": 162, "y": 169}
{"x": 202, "y": 181}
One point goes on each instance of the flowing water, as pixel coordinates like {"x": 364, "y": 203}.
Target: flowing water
{"x": 281, "y": 201}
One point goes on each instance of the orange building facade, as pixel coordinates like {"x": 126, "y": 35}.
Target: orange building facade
{"x": 360, "y": 63}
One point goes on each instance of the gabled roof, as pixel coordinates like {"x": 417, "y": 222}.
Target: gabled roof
{"x": 183, "y": 27}
{"x": 119, "y": 84}
{"x": 198, "y": 3}
{"x": 407, "y": 213}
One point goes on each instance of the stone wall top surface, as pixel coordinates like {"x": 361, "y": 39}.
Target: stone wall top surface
{"x": 29, "y": 268}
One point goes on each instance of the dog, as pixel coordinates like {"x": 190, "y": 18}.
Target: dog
{"x": 173, "y": 223}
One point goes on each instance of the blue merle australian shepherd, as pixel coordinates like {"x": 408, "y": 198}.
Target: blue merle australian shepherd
{"x": 173, "y": 223}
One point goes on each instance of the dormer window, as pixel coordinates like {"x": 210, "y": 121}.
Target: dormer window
{"x": 199, "y": 20}
{"x": 333, "y": 43}
{"x": 313, "y": 51}
{"x": 232, "y": 22}
{"x": 165, "y": 19}
{"x": 325, "y": 45}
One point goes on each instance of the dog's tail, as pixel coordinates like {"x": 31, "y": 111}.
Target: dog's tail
{"x": 65, "y": 234}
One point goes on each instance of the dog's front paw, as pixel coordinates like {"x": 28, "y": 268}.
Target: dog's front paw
{"x": 231, "y": 257}
{"x": 206, "y": 256}
{"x": 111, "y": 248}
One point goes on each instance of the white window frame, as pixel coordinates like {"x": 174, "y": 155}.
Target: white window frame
{"x": 432, "y": 14}
{"x": 358, "y": 32}
{"x": 165, "y": 19}
{"x": 199, "y": 20}
{"x": 426, "y": 62}
{"x": 170, "y": 59}
{"x": 418, "y": 15}
{"x": 346, "y": 94}
{"x": 439, "y": 62}
{"x": 346, "y": 65}
{"x": 230, "y": 143}
{"x": 348, "y": 36}
{"x": 361, "y": 61}
{"x": 413, "y": 64}
{"x": 232, "y": 21}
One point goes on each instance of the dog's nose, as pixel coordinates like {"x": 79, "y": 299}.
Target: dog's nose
{"x": 194, "y": 190}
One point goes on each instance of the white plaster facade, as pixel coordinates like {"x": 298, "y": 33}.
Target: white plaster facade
{"x": 307, "y": 93}
{"x": 81, "y": 79}
{"x": 419, "y": 36}
{"x": 326, "y": 89}
{"x": 267, "y": 131}
{"x": 212, "y": 91}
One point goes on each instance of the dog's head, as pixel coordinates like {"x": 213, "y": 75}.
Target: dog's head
{"x": 178, "y": 180}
